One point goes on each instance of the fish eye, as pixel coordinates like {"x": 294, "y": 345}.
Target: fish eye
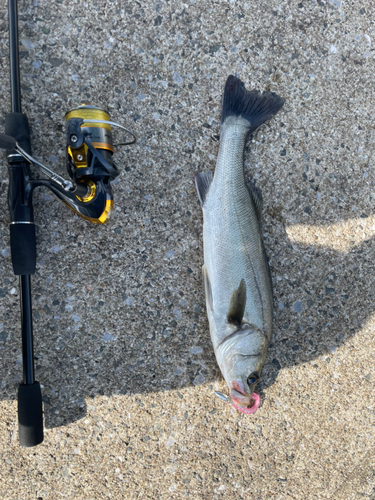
{"x": 253, "y": 378}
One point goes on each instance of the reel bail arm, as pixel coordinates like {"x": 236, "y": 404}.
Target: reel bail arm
{"x": 9, "y": 143}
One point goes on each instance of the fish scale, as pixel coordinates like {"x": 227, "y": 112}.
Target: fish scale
{"x": 236, "y": 275}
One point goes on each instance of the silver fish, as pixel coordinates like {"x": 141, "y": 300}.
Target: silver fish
{"x": 236, "y": 275}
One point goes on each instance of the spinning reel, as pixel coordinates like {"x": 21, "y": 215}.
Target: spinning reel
{"x": 90, "y": 167}
{"x": 89, "y": 160}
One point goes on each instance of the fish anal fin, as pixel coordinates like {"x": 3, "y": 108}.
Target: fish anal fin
{"x": 207, "y": 288}
{"x": 202, "y": 183}
{"x": 237, "y": 305}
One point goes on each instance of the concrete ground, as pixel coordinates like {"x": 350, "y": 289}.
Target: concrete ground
{"x": 121, "y": 336}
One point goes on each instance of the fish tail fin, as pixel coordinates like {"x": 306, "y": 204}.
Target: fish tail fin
{"x": 254, "y": 106}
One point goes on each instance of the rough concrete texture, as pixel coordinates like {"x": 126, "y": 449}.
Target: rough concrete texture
{"x": 121, "y": 336}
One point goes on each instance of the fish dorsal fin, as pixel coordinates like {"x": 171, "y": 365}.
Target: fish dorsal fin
{"x": 202, "y": 183}
{"x": 207, "y": 288}
{"x": 237, "y": 304}
{"x": 256, "y": 196}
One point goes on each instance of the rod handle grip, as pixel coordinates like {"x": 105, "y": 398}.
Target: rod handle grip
{"x": 7, "y": 142}
{"x": 23, "y": 248}
{"x": 30, "y": 415}
{"x": 17, "y": 126}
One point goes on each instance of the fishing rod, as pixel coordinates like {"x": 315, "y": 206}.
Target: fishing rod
{"x": 88, "y": 192}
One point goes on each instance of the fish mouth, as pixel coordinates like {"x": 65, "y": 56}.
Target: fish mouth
{"x": 242, "y": 401}
{"x": 249, "y": 404}
{"x": 245, "y": 403}
{"x": 240, "y": 398}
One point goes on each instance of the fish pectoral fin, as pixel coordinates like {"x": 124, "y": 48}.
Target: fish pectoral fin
{"x": 237, "y": 305}
{"x": 202, "y": 183}
{"x": 207, "y": 288}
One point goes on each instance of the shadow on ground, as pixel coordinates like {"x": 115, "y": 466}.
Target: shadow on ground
{"x": 156, "y": 338}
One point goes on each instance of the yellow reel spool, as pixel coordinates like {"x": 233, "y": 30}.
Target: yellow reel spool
{"x": 100, "y": 134}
